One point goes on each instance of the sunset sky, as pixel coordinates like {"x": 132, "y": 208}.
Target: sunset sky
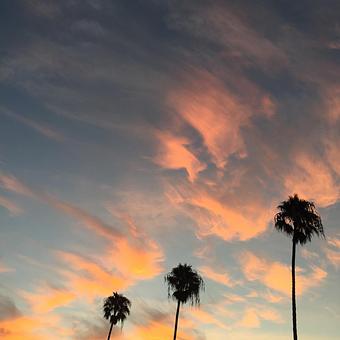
{"x": 137, "y": 134}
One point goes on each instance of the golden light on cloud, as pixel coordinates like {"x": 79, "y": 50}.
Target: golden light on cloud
{"x": 312, "y": 179}
{"x": 277, "y": 276}
{"x": 20, "y": 328}
{"x": 173, "y": 153}
{"x": 138, "y": 261}
{"x": 215, "y": 113}
{"x": 222, "y": 278}
{"x": 215, "y": 217}
{"x": 46, "y": 299}
{"x": 158, "y": 331}
{"x": 88, "y": 279}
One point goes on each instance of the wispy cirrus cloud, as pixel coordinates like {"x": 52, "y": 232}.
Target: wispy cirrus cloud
{"x": 134, "y": 255}
{"x": 47, "y": 298}
{"x": 217, "y": 114}
{"x": 11, "y": 206}
{"x": 220, "y": 277}
{"x": 39, "y": 127}
{"x": 277, "y": 276}
{"x": 173, "y": 153}
{"x": 313, "y": 179}
{"x": 215, "y": 215}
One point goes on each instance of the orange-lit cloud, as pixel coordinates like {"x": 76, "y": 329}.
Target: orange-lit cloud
{"x": 312, "y": 179}
{"x": 216, "y": 114}
{"x": 33, "y": 327}
{"x": 277, "y": 276}
{"x": 4, "y": 268}
{"x": 158, "y": 331}
{"x": 138, "y": 261}
{"x": 207, "y": 318}
{"x": 135, "y": 255}
{"x": 173, "y": 153}
{"x": 222, "y": 278}
{"x": 215, "y": 217}
{"x": 46, "y": 299}
{"x": 253, "y": 316}
{"x": 19, "y": 328}
{"x": 89, "y": 279}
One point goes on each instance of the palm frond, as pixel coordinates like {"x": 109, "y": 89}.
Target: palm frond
{"x": 184, "y": 284}
{"x": 299, "y": 219}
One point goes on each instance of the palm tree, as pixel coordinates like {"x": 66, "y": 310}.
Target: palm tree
{"x": 184, "y": 284}
{"x": 116, "y": 308}
{"x": 298, "y": 219}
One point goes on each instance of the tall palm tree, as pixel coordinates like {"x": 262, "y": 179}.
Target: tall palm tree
{"x": 184, "y": 285}
{"x": 116, "y": 308}
{"x": 298, "y": 219}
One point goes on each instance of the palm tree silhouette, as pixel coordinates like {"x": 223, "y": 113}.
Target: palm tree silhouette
{"x": 184, "y": 284}
{"x": 116, "y": 308}
{"x": 298, "y": 219}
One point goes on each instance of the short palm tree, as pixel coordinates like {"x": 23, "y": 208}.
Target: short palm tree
{"x": 298, "y": 219}
{"x": 184, "y": 285}
{"x": 116, "y": 308}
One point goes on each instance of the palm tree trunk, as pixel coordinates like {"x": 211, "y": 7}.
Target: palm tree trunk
{"x": 109, "y": 336}
{"x": 176, "y": 322}
{"x": 295, "y": 336}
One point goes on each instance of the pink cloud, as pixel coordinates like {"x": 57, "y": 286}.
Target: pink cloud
{"x": 217, "y": 114}
{"x": 313, "y": 180}
{"x": 173, "y": 153}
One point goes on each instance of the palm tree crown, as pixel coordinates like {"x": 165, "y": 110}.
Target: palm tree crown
{"x": 299, "y": 219}
{"x": 116, "y": 308}
{"x": 184, "y": 284}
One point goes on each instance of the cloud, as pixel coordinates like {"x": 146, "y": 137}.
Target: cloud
{"x": 44, "y": 8}
{"x": 134, "y": 255}
{"x": 277, "y": 276}
{"x": 332, "y": 100}
{"x": 204, "y": 317}
{"x": 333, "y": 251}
{"x": 12, "y": 207}
{"x": 4, "y": 268}
{"x": 8, "y": 309}
{"x": 159, "y": 331}
{"x": 39, "y": 127}
{"x": 93, "y": 223}
{"x": 173, "y": 153}
{"x": 137, "y": 261}
{"x": 221, "y": 26}
{"x": 217, "y": 114}
{"x": 253, "y": 316}
{"x": 225, "y": 219}
{"x": 313, "y": 180}
{"x": 47, "y": 298}
{"x": 222, "y": 278}
{"x": 88, "y": 279}
{"x": 20, "y": 328}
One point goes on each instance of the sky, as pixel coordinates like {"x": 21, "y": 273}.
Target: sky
{"x": 139, "y": 134}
